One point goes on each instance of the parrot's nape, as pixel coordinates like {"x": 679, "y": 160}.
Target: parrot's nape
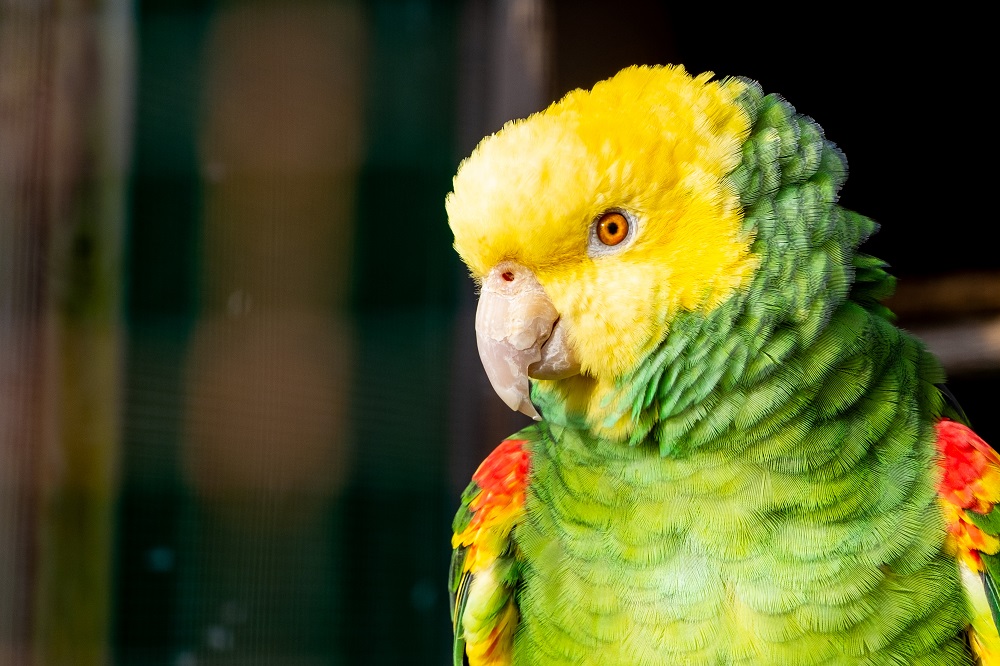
{"x": 738, "y": 458}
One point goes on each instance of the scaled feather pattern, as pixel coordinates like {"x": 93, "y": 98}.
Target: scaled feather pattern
{"x": 748, "y": 462}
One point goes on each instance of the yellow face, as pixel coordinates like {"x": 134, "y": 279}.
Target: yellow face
{"x": 652, "y": 146}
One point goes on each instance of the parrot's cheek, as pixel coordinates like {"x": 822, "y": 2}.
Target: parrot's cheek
{"x": 519, "y": 334}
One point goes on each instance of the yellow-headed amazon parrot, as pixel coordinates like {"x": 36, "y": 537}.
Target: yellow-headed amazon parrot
{"x": 738, "y": 457}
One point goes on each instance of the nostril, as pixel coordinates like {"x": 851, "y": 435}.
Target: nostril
{"x": 508, "y": 276}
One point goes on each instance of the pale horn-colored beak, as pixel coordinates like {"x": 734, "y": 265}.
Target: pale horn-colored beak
{"x": 520, "y": 335}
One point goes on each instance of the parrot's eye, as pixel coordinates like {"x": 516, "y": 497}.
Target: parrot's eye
{"x": 612, "y": 228}
{"x": 610, "y": 231}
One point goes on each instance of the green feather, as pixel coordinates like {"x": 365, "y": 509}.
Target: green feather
{"x": 990, "y": 577}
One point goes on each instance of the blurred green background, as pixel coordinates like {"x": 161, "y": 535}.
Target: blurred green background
{"x": 239, "y": 391}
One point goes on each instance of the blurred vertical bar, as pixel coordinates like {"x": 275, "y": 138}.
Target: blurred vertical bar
{"x": 404, "y": 285}
{"x": 267, "y": 439}
{"x": 505, "y": 73}
{"x": 162, "y": 267}
{"x": 65, "y": 109}
{"x": 505, "y": 65}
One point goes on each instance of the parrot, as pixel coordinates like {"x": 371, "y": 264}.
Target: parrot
{"x": 737, "y": 456}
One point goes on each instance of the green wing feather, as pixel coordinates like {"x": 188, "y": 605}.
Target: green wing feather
{"x": 458, "y": 589}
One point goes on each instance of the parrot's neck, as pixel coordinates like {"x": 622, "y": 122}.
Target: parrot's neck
{"x": 698, "y": 364}
{"x": 730, "y": 381}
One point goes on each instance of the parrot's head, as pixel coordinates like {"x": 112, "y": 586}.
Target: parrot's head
{"x": 595, "y": 226}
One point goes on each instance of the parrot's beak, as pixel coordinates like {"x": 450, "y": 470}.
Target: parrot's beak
{"x": 520, "y": 335}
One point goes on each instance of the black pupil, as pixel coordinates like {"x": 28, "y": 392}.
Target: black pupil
{"x": 613, "y": 228}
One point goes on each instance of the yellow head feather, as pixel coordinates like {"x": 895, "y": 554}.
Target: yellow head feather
{"x": 652, "y": 141}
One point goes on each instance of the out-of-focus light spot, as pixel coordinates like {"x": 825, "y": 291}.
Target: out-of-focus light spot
{"x": 234, "y": 612}
{"x": 239, "y": 303}
{"x": 423, "y": 594}
{"x": 266, "y": 406}
{"x": 160, "y": 559}
{"x": 186, "y": 659}
{"x": 214, "y": 171}
{"x": 219, "y": 638}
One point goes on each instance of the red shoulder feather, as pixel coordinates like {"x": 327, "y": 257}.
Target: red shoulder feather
{"x": 968, "y": 491}
{"x": 970, "y": 481}
{"x": 484, "y": 561}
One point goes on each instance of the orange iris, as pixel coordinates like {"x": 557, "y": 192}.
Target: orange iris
{"x": 612, "y": 228}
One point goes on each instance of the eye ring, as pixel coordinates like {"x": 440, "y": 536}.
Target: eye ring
{"x": 612, "y": 228}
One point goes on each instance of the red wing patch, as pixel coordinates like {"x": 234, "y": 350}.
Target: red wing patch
{"x": 968, "y": 492}
{"x": 500, "y": 480}
{"x": 484, "y": 561}
{"x": 970, "y": 481}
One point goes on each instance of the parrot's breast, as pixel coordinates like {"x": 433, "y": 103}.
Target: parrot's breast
{"x": 632, "y": 558}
